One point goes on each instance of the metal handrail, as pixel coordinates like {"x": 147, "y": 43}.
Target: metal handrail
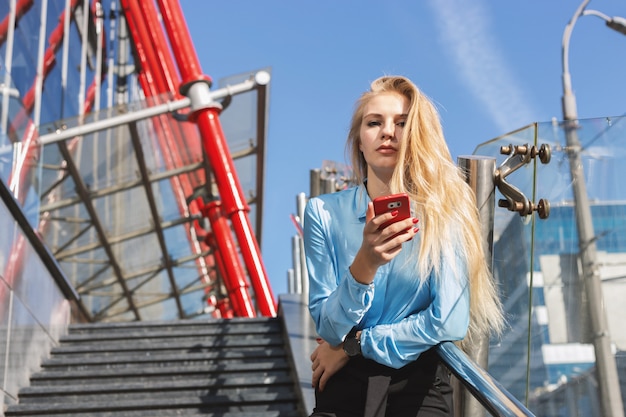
{"x": 300, "y": 334}
{"x": 40, "y": 248}
{"x": 489, "y": 392}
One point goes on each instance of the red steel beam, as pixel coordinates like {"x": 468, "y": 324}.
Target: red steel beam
{"x": 166, "y": 80}
{"x": 185, "y": 132}
{"x": 155, "y": 79}
{"x": 232, "y": 272}
{"x": 233, "y": 199}
{"x": 184, "y": 147}
{"x": 21, "y": 7}
{"x": 154, "y": 84}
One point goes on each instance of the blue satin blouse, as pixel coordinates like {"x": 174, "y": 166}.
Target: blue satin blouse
{"x": 400, "y": 317}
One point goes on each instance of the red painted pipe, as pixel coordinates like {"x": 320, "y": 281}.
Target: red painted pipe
{"x": 232, "y": 272}
{"x": 237, "y": 209}
{"x": 187, "y": 143}
{"x": 155, "y": 81}
{"x": 21, "y": 8}
{"x": 211, "y": 241}
{"x": 233, "y": 200}
{"x": 225, "y": 308}
{"x": 186, "y": 135}
{"x": 161, "y": 73}
{"x": 153, "y": 85}
{"x": 212, "y": 279}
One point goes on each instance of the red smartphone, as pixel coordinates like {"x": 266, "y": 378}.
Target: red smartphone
{"x": 399, "y": 202}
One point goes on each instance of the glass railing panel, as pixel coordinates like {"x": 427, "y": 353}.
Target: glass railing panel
{"x": 33, "y": 284}
{"x": 20, "y": 165}
{"x": 8, "y": 226}
{"x": 34, "y": 312}
{"x": 510, "y": 360}
{"x": 536, "y": 264}
{"x": 28, "y": 344}
{"x": 9, "y": 232}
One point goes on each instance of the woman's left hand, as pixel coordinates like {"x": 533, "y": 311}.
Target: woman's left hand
{"x": 327, "y": 360}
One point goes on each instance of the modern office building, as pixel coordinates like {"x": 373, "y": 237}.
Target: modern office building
{"x": 557, "y": 320}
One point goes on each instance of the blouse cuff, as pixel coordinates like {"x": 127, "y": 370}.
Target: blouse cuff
{"x": 358, "y": 298}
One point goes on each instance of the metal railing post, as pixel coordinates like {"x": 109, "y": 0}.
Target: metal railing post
{"x": 301, "y": 201}
{"x": 297, "y": 265}
{"x": 479, "y": 172}
{"x": 316, "y": 177}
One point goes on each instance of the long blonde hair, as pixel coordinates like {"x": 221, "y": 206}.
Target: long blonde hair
{"x": 445, "y": 203}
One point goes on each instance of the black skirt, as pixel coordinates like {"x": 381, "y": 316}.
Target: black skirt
{"x": 365, "y": 388}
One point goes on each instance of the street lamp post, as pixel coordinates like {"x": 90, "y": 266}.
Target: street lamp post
{"x": 606, "y": 368}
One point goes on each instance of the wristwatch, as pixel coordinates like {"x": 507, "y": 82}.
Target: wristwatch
{"x": 352, "y": 344}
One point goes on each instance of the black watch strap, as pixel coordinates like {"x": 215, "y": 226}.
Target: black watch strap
{"x": 352, "y": 345}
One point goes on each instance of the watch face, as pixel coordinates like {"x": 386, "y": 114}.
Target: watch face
{"x": 352, "y": 347}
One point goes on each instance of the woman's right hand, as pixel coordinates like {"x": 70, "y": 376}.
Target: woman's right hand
{"x": 380, "y": 245}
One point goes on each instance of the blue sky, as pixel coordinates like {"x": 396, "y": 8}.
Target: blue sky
{"x": 491, "y": 67}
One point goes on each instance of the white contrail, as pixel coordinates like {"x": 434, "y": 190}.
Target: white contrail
{"x": 464, "y": 30}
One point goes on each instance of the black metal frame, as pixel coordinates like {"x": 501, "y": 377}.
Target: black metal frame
{"x": 40, "y": 248}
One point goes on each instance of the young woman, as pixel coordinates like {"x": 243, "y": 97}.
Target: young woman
{"x": 383, "y": 297}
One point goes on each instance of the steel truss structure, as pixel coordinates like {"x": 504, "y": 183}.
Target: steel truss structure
{"x": 139, "y": 194}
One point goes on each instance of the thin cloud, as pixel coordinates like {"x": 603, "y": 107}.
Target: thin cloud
{"x": 465, "y": 33}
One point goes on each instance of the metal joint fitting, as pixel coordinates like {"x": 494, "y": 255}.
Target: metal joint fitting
{"x": 199, "y": 94}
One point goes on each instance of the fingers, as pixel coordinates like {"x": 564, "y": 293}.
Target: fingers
{"x": 381, "y": 246}
{"x": 316, "y": 377}
{"x": 322, "y": 382}
{"x": 320, "y": 377}
{"x": 315, "y": 367}
{"x": 369, "y": 214}
{"x": 388, "y": 225}
{"x": 326, "y": 361}
{"x": 315, "y": 363}
{"x": 397, "y": 233}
